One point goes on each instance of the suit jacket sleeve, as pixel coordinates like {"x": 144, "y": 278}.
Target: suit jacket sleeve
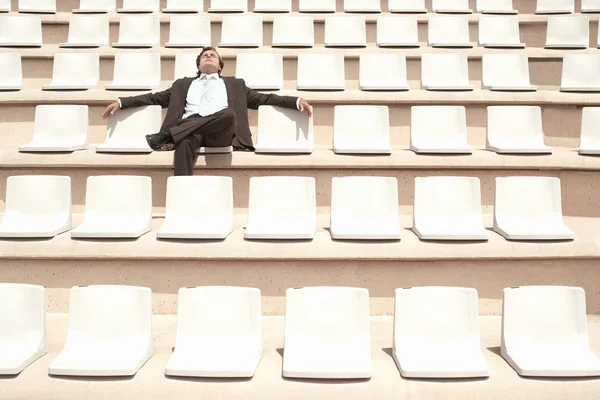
{"x": 256, "y": 99}
{"x": 151, "y": 99}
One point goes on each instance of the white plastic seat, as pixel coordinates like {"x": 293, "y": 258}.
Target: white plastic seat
{"x": 439, "y": 129}
{"x": 282, "y": 6}
{"x": 445, "y": 72}
{"x": 37, "y": 206}
{"x": 390, "y": 75}
{"x": 135, "y": 71}
{"x": 138, "y": 31}
{"x": 88, "y": 31}
{"x": 20, "y": 30}
{"x": 590, "y": 6}
{"x": 347, "y": 31}
{"x": 544, "y": 332}
{"x": 184, "y": 6}
{"x": 497, "y": 31}
{"x": 261, "y": 71}
{"x": 5, "y": 6}
{"x": 281, "y": 207}
{"x": 218, "y": 332}
{"x": 109, "y": 331}
{"x": 361, "y": 129}
{"x": 189, "y": 31}
{"x": 23, "y": 321}
{"x": 126, "y": 215}
{"x": 568, "y": 32}
{"x": 362, "y": 6}
{"x": 215, "y": 150}
{"x": 396, "y": 31}
{"x": 451, "y": 6}
{"x": 283, "y": 130}
{"x": 436, "y": 333}
{"x": 74, "y": 71}
{"x": 555, "y": 7}
{"x": 126, "y": 130}
{"x": 589, "y": 142}
{"x": 364, "y": 208}
{"x": 140, "y": 6}
{"x": 330, "y": 75}
{"x": 327, "y": 333}
{"x": 508, "y": 72}
{"x": 311, "y": 6}
{"x": 221, "y": 6}
{"x": 37, "y": 6}
{"x": 448, "y": 31}
{"x": 495, "y": 7}
{"x": 529, "y": 208}
{"x": 198, "y": 207}
{"x": 241, "y": 31}
{"x": 293, "y": 31}
{"x": 59, "y": 128}
{"x": 185, "y": 65}
{"x": 515, "y": 130}
{"x": 580, "y": 73}
{"x": 407, "y": 6}
{"x": 11, "y": 70}
{"x": 448, "y": 208}
{"x": 96, "y": 6}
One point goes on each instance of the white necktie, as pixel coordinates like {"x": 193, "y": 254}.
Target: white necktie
{"x": 208, "y": 96}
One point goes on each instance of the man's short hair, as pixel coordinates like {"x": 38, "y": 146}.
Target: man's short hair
{"x": 204, "y": 50}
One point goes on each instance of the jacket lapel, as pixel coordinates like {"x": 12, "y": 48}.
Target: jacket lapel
{"x": 230, "y": 89}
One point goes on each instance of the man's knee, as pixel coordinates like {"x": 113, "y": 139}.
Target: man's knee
{"x": 229, "y": 117}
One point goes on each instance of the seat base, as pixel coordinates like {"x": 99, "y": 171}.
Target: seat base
{"x": 21, "y": 44}
{"x": 246, "y": 44}
{"x": 566, "y": 46}
{"x": 454, "y": 11}
{"x": 186, "y": 45}
{"x": 8, "y": 87}
{"x": 408, "y": 10}
{"x": 452, "y": 45}
{"x": 503, "y": 45}
{"x": 384, "y": 87}
{"x": 35, "y": 148}
{"x": 182, "y": 10}
{"x": 531, "y": 88}
{"x": 431, "y": 235}
{"x": 543, "y": 234}
{"x": 346, "y": 44}
{"x": 67, "y": 87}
{"x": 440, "y": 87}
{"x": 361, "y": 150}
{"x": 136, "y": 45}
{"x": 25, "y": 361}
{"x": 541, "y": 372}
{"x": 81, "y": 45}
{"x": 92, "y": 11}
{"x": 399, "y": 44}
{"x": 84, "y": 232}
{"x": 122, "y": 149}
{"x": 554, "y": 11}
{"x": 227, "y": 10}
{"x": 134, "y": 10}
{"x": 521, "y": 150}
{"x": 590, "y": 151}
{"x": 579, "y": 89}
{"x": 131, "y": 87}
{"x": 441, "y": 150}
{"x": 504, "y": 12}
{"x": 441, "y": 373}
{"x": 76, "y": 370}
{"x": 36, "y": 11}
{"x": 215, "y": 150}
{"x": 308, "y": 149}
{"x": 322, "y": 87}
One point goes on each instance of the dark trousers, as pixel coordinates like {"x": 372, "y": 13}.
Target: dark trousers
{"x": 216, "y": 130}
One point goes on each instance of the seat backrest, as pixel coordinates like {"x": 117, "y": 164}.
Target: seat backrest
{"x": 494, "y": 5}
{"x": 5, "y": 6}
{"x": 37, "y": 5}
{"x": 440, "y": 123}
{"x": 514, "y": 123}
{"x": 199, "y": 196}
{"x": 123, "y": 196}
{"x": 76, "y": 68}
{"x": 89, "y": 29}
{"x": 190, "y": 28}
{"x": 382, "y": 68}
{"x": 186, "y": 5}
{"x": 241, "y": 29}
{"x": 293, "y": 29}
{"x": 234, "y": 5}
{"x": 449, "y": 5}
{"x": 317, "y": 5}
{"x": 361, "y": 122}
{"x": 555, "y": 5}
{"x": 38, "y": 196}
{"x": 278, "y": 5}
{"x": 590, "y": 124}
{"x": 185, "y": 65}
{"x": 54, "y": 121}
{"x": 331, "y": 69}
{"x": 580, "y": 70}
{"x": 108, "y": 5}
{"x": 150, "y": 5}
{"x": 260, "y": 69}
{"x": 345, "y": 29}
{"x": 133, "y": 123}
{"x": 12, "y": 70}
{"x": 448, "y": 29}
{"x": 505, "y": 69}
{"x": 397, "y": 29}
{"x": 438, "y": 68}
{"x": 527, "y": 197}
{"x": 20, "y": 29}
{"x": 447, "y": 196}
{"x": 22, "y": 311}
{"x": 499, "y": 30}
{"x": 395, "y": 5}
{"x": 362, "y": 5}
{"x": 568, "y": 30}
{"x": 284, "y": 125}
{"x": 131, "y": 68}
{"x": 275, "y": 196}
{"x": 139, "y": 29}
{"x": 364, "y": 196}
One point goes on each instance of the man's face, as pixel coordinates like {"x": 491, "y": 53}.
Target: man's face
{"x": 209, "y": 62}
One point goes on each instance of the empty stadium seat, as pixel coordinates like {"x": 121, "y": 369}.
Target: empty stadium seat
{"x": 218, "y": 332}
{"x": 327, "y": 333}
{"x": 382, "y": 72}
{"x": 500, "y": 32}
{"x": 140, "y": 6}
{"x": 185, "y": 65}
{"x": 568, "y": 32}
{"x": 321, "y": 72}
{"x": 11, "y": 71}
{"x": 109, "y": 331}
{"x": 451, "y": 6}
{"x": 544, "y": 332}
{"x": 189, "y": 31}
{"x": 436, "y": 333}
{"x": 88, "y": 31}
{"x": 397, "y": 31}
{"x": 281, "y": 207}
{"x": 5, "y": 6}
{"x": 407, "y": 6}
{"x": 362, "y": 6}
{"x": 184, "y": 6}
{"x": 495, "y": 7}
{"x": 529, "y": 208}
{"x": 261, "y": 71}
{"x": 198, "y": 207}
{"x": 448, "y": 31}
{"x": 317, "y": 6}
{"x": 96, "y": 6}
{"x": 241, "y": 31}
{"x": 590, "y": 131}
{"x": 59, "y": 128}
{"x": 580, "y": 73}
{"x": 138, "y": 31}
{"x": 448, "y": 208}
{"x": 361, "y": 129}
{"x": 126, "y": 130}
{"x": 135, "y": 71}
{"x": 37, "y": 6}
{"x": 364, "y": 208}
{"x": 128, "y": 215}
{"x": 515, "y": 130}
{"x": 37, "y": 206}
{"x": 439, "y": 129}
{"x": 555, "y": 6}
{"x": 508, "y": 72}
{"x": 445, "y": 72}
{"x": 345, "y": 31}
{"x": 74, "y": 71}
{"x": 293, "y": 31}
{"x": 283, "y": 130}
{"x": 590, "y": 6}
{"x": 228, "y": 6}
{"x": 20, "y": 30}
{"x": 23, "y": 321}
{"x": 284, "y": 6}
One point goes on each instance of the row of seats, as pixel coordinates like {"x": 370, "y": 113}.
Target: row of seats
{"x": 356, "y": 130}
{"x": 327, "y": 332}
{"x": 244, "y": 31}
{"x": 285, "y": 6}
{"x": 284, "y": 207}
{"x": 321, "y": 72}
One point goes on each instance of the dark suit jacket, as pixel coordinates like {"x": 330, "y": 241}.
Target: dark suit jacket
{"x": 240, "y": 98}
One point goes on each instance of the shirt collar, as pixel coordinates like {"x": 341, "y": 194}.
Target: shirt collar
{"x": 209, "y": 76}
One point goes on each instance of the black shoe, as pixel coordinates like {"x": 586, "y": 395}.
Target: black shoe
{"x": 157, "y": 140}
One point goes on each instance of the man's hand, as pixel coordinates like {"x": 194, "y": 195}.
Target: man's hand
{"x": 305, "y": 106}
{"x": 111, "y": 109}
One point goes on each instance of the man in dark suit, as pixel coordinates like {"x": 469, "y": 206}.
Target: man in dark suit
{"x": 208, "y": 110}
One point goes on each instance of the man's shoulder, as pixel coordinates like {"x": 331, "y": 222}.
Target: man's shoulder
{"x": 232, "y": 79}
{"x": 182, "y": 81}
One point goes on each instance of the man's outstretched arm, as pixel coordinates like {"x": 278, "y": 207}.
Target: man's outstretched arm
{"x": 256, "y": 99}
{"x": 151, "y": 99}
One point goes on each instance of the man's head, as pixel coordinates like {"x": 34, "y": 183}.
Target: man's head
{"x": 209, "y": 61}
